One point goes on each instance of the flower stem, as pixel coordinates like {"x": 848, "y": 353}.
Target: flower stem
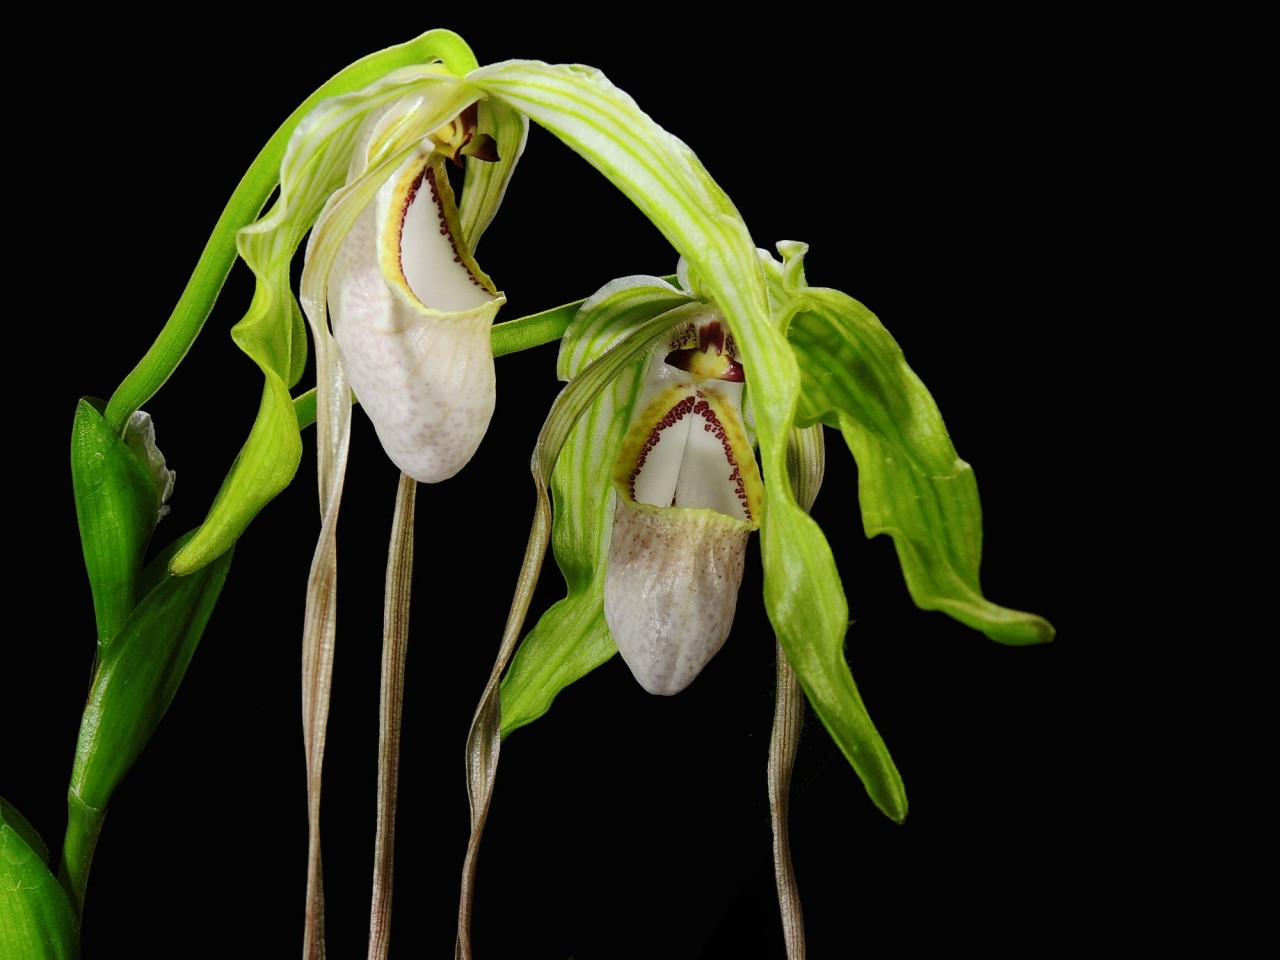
{"x": 533, "y": 330}
{"x": 84, "y": 823}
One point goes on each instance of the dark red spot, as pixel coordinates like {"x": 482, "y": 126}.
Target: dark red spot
{"x": 710, "y": 335}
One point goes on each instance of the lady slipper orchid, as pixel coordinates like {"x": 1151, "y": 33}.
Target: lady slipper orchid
{"x": 411, "y": 310}
{"x": 652, "y": 409}
{"x": 656, "y": 577}
{"x": 688, "y": 497}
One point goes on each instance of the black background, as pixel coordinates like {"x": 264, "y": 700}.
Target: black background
{"x": 623, "y": 825}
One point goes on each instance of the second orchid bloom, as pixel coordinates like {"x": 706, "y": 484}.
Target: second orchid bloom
{"x": 688, "y": 496}
{"x": 662, "y": 426}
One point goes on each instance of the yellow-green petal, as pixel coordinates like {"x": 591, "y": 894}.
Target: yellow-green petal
{"x": 912, "y": 484}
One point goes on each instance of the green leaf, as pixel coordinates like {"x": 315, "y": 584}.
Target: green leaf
{"x": 135, "y": 681}
{"x": 116, "y": 509}
{"x": 138, "y": 675}
{"x": 911, "y": 482}
{"x": 36, "y": 919}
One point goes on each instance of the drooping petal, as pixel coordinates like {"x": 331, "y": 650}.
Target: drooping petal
{"x": 411, "y": 313}
{"x": 911, "y": 482}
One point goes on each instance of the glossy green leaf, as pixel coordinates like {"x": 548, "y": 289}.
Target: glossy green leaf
{"x": 137, "y": 677}
{"x": 116, "y": 509}
{"x": 571, "y": 638}
{"x": 912, "y": 484}
{"x": 135, "y": 681}
{"x": 36, "y": 919}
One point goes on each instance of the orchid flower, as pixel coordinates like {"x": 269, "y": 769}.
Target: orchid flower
{"x": 656, "y": 490}
{"x": 665, "y": 595}
{"x": 688, "y": 496}
{"x": 412, "y": 310}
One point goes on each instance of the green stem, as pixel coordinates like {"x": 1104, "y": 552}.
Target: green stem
{"x": 533, "y": 330}
{"x": 304, "y": 407}
{"x": 247, "y": 201}
{"x": 84, "y": 823}
{"x": 510, "y": 337}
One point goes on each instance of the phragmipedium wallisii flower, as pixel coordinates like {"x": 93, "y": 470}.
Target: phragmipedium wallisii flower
{"x": 411, "y": 310}
{"x": 849, "y": 374}
{"x": 389, "y": 267}
{"x": 688, "y": 496}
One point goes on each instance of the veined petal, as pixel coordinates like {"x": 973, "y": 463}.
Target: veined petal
{"x": 911, "y": 482}
{"x": 485, "y": 183}
{"x": 411, "y": 314}
{"x": 689, "y": 495}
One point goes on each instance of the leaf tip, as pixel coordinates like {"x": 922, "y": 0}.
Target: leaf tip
{"x": 1025, "y": 631}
